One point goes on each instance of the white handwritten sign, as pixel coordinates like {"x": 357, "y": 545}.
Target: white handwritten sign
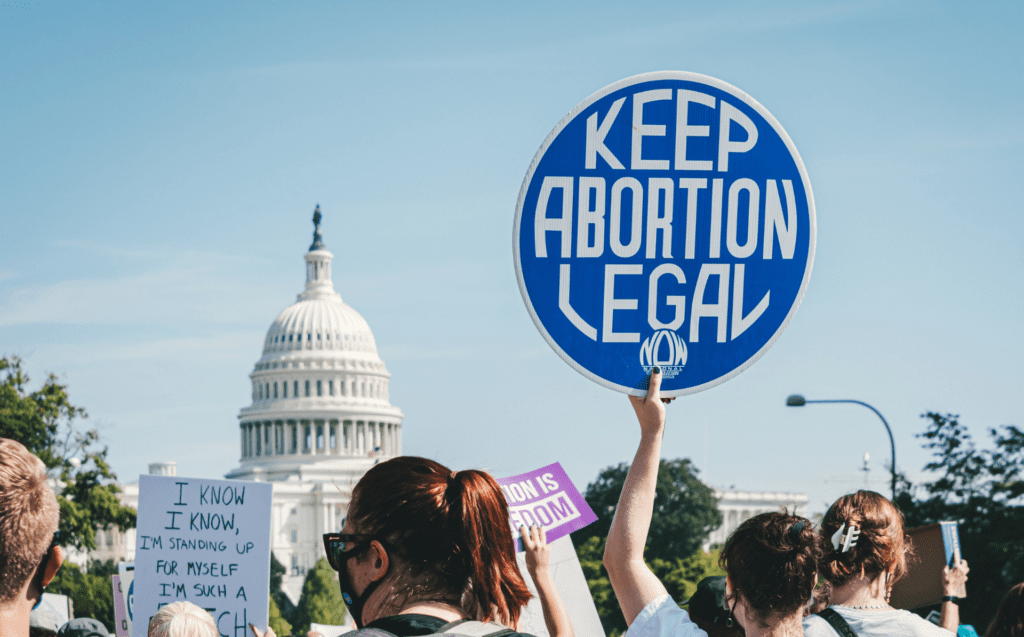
{"x": 206, "y": 542}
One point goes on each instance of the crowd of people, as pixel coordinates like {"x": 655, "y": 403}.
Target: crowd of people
{"x": 426, "y": 550}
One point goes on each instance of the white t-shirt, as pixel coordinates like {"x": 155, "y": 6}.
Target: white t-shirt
{"x": 662, "y": 616}
{"x": 875, "y": 623}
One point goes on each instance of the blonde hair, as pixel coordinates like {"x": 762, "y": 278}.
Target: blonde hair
{"x": 29, "y": 516}
{"x": 182, "y": 619}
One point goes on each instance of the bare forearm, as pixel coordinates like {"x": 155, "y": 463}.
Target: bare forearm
{"x": 556, "y": 617}
{"x": 949, "y": 616}
{"x": 633, "y": 582}
{"x": 628, "y": 534}
{"x": 953, "y": 580}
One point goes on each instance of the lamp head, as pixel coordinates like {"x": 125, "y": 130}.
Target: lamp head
{"x": 796, "y": 400}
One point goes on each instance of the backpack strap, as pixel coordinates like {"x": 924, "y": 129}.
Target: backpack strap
{"x": 837, "y": 622}
{"x": 472, "y": 628}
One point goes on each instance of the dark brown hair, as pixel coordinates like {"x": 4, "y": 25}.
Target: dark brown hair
{"x": 1009, "y": 619}
{"x": 449, "y": 530}
{"x": 882, "y": 543}
{"x": 771, "y": 560}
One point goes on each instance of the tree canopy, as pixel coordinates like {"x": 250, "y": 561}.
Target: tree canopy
{"x": 680, "y": 577}
{"x": 685, "y": 512}
{"x": 45, "y": 422}
{"x": 321, "y": 599}
{"x": 90, "y": 590}
{"x": 983, "y": 490}
{"x": 685, "y": 509}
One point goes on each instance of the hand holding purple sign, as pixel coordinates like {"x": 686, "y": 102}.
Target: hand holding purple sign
{"x": 547, "y": 498}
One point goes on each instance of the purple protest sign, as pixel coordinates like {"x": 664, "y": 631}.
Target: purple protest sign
{"x": 548, "y": 498}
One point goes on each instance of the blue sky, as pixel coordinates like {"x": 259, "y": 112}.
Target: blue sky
{"x": 161, "y": 163}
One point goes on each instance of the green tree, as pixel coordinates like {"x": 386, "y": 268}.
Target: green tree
{"x": 90, "y": 590}
{"x": 680, "y": 577}
{"x": 45, "y": 422}
{"x": 321, "y": 599}
{"x": 685, "y": 509}
{"x": 685, "y": 512}
{"x": 277, "y": 623}
{"x": 589, "y": 554}
{"x": 983, "y": 490}
{"x": 279, "y": 602}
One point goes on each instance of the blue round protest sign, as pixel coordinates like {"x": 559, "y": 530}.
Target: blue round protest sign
{"x": 666, "y": 221}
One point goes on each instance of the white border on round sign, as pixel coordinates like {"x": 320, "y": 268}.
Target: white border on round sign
{"x": 629, "y": 81}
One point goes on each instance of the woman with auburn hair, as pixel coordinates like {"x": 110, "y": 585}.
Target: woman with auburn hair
{"x": 1009, "y": 619}
{"x": 770, "y": 560}
{"x": 426, "y": 550}
{"x": 864, "y": 552}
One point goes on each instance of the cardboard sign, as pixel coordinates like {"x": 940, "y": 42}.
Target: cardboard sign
{"x": 935, "y": 546}
{"x": 206, "y": 542}
{"x": 126, "y": 574}
{"x": 666, "y": 221}
{"x": 572, "y": 588}
{"x": 122, "y": 625}
{"x": 548, "y": 498}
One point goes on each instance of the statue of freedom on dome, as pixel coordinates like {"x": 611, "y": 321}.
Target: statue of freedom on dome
{"x": 318, "y": 241}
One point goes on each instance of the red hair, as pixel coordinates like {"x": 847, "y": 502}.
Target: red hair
{"x": 450, "y": 530}
{"x": 882, "y": 543}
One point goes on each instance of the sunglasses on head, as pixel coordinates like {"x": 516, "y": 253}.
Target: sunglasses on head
{"x": 43, "y": 563}
{"x": 49, "y": 549}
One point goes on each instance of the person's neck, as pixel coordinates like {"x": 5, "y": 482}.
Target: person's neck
{"x": 441, "y": 610}
{"x": 861, "y": 591}
{"x": 14, "y": 620}
{"x": 788, "y": 627}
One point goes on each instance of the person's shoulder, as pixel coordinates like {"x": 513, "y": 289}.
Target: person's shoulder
{"x": 920, "y": 627}
{"x": 662, "y": 616}
{"x": 815, "y": 626}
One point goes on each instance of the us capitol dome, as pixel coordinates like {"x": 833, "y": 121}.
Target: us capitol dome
{"x": 320, "y": 414}
{"x": 320, "y": 418}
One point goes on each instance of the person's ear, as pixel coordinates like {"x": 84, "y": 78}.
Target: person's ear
{"x": 380, "y": 560}
{"x": 53, "y": 564}
{"x": 728, "y": 587}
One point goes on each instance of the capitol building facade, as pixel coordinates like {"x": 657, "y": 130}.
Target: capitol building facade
{"x": 320, "y": 417}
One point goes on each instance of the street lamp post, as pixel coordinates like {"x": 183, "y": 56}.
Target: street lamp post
{"x": 796, "y": 400}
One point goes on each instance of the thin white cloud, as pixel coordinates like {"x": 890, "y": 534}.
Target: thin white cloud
{"x": 205, "y": 287}
{"x": 189, "y": 349}
{"x": 8, "y": 275}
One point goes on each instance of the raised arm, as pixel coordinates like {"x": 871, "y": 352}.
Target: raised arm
{"x": 633, "y": 582}
{"x": 953, "y": 580}
{"x": 538, "y": 563}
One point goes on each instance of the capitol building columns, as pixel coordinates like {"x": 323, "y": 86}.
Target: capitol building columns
{"x": 319, "y": 437}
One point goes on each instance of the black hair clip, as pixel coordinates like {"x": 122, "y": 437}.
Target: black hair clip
{"x": 796, "y": 530}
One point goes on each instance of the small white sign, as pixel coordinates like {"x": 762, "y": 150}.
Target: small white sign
{"x": 206, "y": 542}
